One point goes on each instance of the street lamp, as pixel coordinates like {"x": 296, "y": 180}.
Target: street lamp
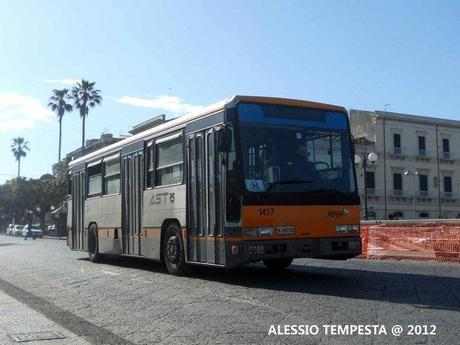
{"x": 363, "y": 162}
{"x": 413, "y": 173}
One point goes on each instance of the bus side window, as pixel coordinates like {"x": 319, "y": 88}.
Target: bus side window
{"x": 112, "y": 176}
{"x": 149, "y": 165}
{"x": 94, "y": 179}
{"x": 169, "y": 162}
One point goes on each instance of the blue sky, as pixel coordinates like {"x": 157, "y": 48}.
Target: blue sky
{"x": 359, "y": 54}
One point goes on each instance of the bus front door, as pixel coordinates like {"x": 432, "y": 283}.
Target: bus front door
{"x": 132, "y": 182}
{"x": 204, "y": 190}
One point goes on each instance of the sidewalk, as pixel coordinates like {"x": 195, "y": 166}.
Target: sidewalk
{"x": 23, "y": 323}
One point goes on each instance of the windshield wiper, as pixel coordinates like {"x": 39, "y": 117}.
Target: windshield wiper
{"x": 278, "y": 183}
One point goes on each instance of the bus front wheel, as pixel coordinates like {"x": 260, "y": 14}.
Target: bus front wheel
{"x": 278, "y": 264}
{"x": 173, "y": 250}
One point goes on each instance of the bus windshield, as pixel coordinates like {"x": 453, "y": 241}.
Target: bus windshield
{"x": 288, "y": 149}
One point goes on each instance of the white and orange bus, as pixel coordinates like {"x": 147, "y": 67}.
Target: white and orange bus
{"x": 246, "y": 179}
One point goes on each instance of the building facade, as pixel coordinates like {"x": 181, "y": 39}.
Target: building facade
{"x": 417, "y": 172}
{"x": 91, "y": 145}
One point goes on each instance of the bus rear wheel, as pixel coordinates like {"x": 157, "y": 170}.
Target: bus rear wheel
{"x": 278, "y": 264}
{"x": 93, "y": 248}
{"x": 173, "y": 250}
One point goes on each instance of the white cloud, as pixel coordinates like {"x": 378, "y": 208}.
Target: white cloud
{"x": 18, "y": 112}
{"x": 61, "y": 81}
{"x": 170, "y": 103}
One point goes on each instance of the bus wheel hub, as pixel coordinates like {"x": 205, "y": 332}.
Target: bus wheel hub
{"x": 172, "y": 249}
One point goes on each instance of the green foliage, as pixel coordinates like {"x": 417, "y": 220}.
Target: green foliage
{"x": 85, "y": 96}
{"x": 20, "y": 194}
{"x": 57, "y": 102}
{"x": 19, "y": 148}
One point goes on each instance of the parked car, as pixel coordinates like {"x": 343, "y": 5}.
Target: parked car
{"x": 36, "y": 231}
{"x": 17, "y": 230}
{"x": 9, "y": 229}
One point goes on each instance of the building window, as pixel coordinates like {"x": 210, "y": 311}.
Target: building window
{"x": 397, "y": 143}
{"x": 370, "y": 179}
{"x": 169, "y": 159}
{"x": 112, "y": 175}
{"x": 94, "y": 179}
{"x": 396, "y": 215}
{"x": 447, "y": 184}
{"x": 445, "y": 145}
{"x": 421, "y": 145}
{"x": 424, "y": 215}
{"x": 423, "y": 183}
{"x": 397, "y": 181}
{"x": 446, "y": 148}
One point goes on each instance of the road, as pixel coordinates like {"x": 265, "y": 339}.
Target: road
{"x": 133, "y": 301}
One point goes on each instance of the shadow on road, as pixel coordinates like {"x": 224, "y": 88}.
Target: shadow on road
{"x": 423, "y": 291}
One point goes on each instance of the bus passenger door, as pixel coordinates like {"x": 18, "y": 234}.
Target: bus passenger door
{"x": 78, "y": 203}
{"x": 197, "y": 239}
{"x": 210, "y": 196}
{"x": 132, "y": 184}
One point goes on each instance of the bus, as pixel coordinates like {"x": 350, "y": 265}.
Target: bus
{"x": 246, "y": 179}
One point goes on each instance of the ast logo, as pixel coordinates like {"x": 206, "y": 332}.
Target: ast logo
{"x": 162, "y": 198}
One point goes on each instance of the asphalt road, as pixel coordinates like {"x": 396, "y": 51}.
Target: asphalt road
{"x": 133, "y": 301}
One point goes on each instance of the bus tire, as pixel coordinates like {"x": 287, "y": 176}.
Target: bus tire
{"x": 278, "y": 264}
{"x": 93, "y": 247}
{"x": 173, "y": 250}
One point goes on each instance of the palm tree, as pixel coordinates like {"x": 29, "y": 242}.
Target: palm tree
{"x": 19, "y": 148}
{"x": 58, "y": 104}
{"x": 85, "y": 96}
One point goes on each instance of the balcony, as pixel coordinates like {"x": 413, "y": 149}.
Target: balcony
{"x": 424, "y": 196}
{"x": 373, "y": 194}
{"x": 397, "y": 192}
{"x": 423, "y": 154}
{"x": 447, "y": 157}
{"x": 397, "y": 152}
{"x": 448, "y": 197}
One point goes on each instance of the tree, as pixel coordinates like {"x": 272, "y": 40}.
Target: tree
{"x": 85, "y": 96}
{"x": 58, "y": 104}
{"x": 19, "y": 148}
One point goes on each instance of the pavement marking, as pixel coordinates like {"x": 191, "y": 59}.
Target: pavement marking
{"x": 67, "y": 320}
{"x": 251, "y": 302}
{"x": 36, "y": 336}
{"x": 110, "y": 273}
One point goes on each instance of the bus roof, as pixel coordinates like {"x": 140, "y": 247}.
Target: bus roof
{"x": 182, "y": 120}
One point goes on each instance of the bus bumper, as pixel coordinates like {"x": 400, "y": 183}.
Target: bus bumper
{"x": 337, "y": 248}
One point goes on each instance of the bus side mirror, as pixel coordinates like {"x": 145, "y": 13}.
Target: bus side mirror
{"x": 224, "y": 139}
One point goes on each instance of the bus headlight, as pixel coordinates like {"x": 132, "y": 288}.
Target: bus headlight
{"x": 285, "y": 230}
{"x": 347, "y": 228}
{"x": 259, "y": 232}
{"x": 265, "y": 231}
{"x": 251, "y": 232}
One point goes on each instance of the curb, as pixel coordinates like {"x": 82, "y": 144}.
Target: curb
{"x": 54, "y": 238}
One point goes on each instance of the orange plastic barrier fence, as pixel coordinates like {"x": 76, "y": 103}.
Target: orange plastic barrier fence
{"x": 412, "y": 242}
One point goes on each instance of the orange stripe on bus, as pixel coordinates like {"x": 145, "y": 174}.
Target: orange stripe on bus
{"x": 310, "y": 221}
